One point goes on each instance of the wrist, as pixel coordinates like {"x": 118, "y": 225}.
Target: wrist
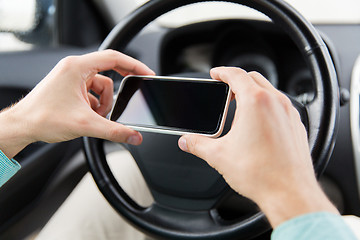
{"x": 15, "y": 132}
{"x": 295, "y": 201}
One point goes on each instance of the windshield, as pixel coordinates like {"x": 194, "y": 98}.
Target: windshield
{"x": 316, "y": 11}
{"x": 329, "y": 11}
{"x": 18, "y": 14}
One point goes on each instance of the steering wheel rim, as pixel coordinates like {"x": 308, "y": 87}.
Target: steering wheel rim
{"x": 322, "y": 114}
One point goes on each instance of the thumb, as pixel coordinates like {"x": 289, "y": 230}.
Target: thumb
{"x": 197, "y": 145}
{"x": 101, "y": 127}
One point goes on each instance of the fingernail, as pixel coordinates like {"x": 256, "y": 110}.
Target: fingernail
{"x": 133, "y": 140}
{"x": 182, "y": 144}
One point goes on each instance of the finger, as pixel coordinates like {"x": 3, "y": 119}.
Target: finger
{"x": 103, "y": 128}
{"x": 295, "y": 120}
{"x": 239, "y": 81}
{"x": 197, "y": 145}
{"x": 103, "y": 86}
{"x": 94, "y": 102}
{"x": 262, "y": 81}
{"x": 111, "y": 59}
{"x": 126, "y": 73}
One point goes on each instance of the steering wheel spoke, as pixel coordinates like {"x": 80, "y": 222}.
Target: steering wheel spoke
{"x": 205, "y": 224}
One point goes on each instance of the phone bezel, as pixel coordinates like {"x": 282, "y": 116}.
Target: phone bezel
{"x": 174, "y": 131}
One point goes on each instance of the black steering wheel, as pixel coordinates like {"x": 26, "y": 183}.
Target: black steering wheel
{"x": 185, "y": 190}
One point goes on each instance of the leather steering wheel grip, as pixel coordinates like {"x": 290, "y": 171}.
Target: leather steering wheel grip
{"x": 322, "y": 121}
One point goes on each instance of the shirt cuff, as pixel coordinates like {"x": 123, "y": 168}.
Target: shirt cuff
{"x": 8, "y": 168}
{"x": 318, "y": 225}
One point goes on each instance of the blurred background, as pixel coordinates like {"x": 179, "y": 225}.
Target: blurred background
{"x": 27, "y": 24}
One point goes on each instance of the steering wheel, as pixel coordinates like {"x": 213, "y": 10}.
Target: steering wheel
{"x": 185, "y": 190}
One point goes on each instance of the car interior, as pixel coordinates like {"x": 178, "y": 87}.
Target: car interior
{"x": 173, "y": 39}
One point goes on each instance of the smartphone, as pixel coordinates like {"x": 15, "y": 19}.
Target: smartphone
{"x": 172, "y": 105}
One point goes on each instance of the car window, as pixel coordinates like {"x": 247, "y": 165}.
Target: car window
{"x": 25, "y": 24}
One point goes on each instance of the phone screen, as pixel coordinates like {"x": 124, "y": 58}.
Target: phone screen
{"x": 185, "y": 105}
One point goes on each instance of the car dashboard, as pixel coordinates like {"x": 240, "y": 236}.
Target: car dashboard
{"x": 251, "y": 45}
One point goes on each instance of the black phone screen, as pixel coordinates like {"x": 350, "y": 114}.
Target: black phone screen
{"x": 174, "y": 104}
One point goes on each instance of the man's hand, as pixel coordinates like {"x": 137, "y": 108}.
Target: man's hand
{"x": 61, "y": 107}
{"x": 265, "y": 156}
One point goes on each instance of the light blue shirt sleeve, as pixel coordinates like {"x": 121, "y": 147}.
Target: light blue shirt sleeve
{"x": 8, "y": 167}
{"x": 314, "y": 226}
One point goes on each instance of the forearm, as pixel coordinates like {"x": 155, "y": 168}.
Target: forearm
{"x": 295, "y": 201}
{"x": 14, "y": 132}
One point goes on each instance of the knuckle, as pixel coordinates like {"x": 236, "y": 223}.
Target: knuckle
{"x": 261, "y": 97}
{"x": 68, "y": 61}
{"x": 237, "y": 70}
{"x": 230, "y": 71}
{"x": 114, "y": 133}
{"x": 255, "y": 74}
{"x": 296, "y": 115}
{"x": 195, "y": 147}
{"x": 111, "y": 52}
{"x": 193, "y": 143}
{"x": 295, "y": 112}
{"x": 108, "y": 82}
{"x": 285, "y": 102}
{"x": 285, "y": 99}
